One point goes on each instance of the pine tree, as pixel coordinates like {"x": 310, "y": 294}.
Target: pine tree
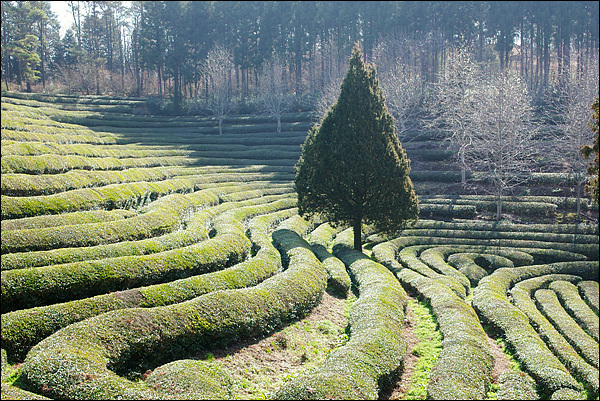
{"x": 353, "y": 169}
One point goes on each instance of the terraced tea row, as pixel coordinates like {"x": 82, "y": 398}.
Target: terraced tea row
{"x": 504, "y": 265}
{"x": 115, "y": 281}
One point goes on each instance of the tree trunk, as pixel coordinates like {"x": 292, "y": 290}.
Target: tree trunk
{"x": 578, "y": 201}
{"x": 499, "y": 207}
{"x": 358, "y": 234}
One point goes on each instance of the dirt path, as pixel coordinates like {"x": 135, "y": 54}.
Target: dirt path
{"x": 259, "y": 367}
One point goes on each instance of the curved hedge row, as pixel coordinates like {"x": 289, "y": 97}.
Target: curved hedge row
{"x": 53, "y": 163}
{"x": 196, "y": 229}
{"x": 464, "y": 367}
{"x": 31, "y": 185}
{"x": 516, "y": 207}
{"x": 26, "y": 288}
{"x": 320, "y": 238}
{"x": 572, "y": 302}
{"x": 164, "y": 216}
{"x": 517, "y": 386}
{"x": 589, "y": 293}
{"x": 470, "y": 264}
{"x": 491, "y": 303}
{"x": 511, "y": 201}
{"x": 87, "y": 150}
{"x": 504, "y": 226}
{"x": 107, "y": 197}
{"x": 376, "y": 349}
{"x": 24, "y": 328}
{"x": 542, "y": 252}
{"x": 66, "y": 219}
{"x": 60, "y": 283}
{"x": 515, "y": 233}
{"x": 521, "y": 294}
{"x": 549, "y": 305}
{"x": 76, "y": 362}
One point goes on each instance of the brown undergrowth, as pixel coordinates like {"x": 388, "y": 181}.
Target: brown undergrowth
{"x": 259, "y": 367}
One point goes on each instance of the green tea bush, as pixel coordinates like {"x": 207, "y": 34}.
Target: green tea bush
{"x": 521, "y": 294}
{"x": 431, "y": 210}
{"x": 569, "y": 298}
{"x": 53, "y": 163}
{"x": 25, "y": 288}
{"x": 492, "y": 305}
{"x": 65, "y": 219}
{"x": 164, "y": 216}
{"x": 464, "y": 366}
{"x": 542, "y": 252}
{"x": 469, "y": 264}
{"x": 196, "y": 229}
{"x": 589, "y": 293}
{"x": 320, "y": 238}
{"x": 408, "y": 257}
{"x": 373, "y": 356}
{"x": 133, "y": 339}
{"x": 517, "y": 386}
{"x": 190, "y": 379}
{"x": 549, "y": 305}
{"x": 24, "y": 328}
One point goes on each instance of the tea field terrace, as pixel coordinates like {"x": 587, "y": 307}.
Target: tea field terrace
{"x": 132, "y": 245}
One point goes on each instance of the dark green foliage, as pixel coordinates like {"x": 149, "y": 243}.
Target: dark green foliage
{"x": 353, "y": 168}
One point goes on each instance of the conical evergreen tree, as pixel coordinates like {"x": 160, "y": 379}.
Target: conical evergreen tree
{"x": 353, "y": 169}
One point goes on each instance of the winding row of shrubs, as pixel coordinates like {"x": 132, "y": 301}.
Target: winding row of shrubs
{"x": 197, "y": 228}
{"x": 542, "y": 252}
{"x": 589, "y": 293}
{"x": 114, "y": 151}
{"x": 57, "y": 283}
{"x": 164, "y": 215}
{"x": 53, "y": 163}
{"x": 491, "y": 303}
{"x": 76, "y": 362}
{"x": 65, "y": 219}
{"x": 47, "y": 184}
{"x": 521, "y": 295}
{"x": 464, "y": 367}
{"x": 549, "y": 305}
{"x": 372, "y": 357}
{"x": 470, "y": 264}
{"x": 536, "y": 205}
{"x": 24, "y": 328}
{"x": 320, "y": 239}
{"x": 572, "y": 302}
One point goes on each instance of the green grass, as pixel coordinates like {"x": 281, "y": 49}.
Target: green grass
{"x": 427, "y": 350}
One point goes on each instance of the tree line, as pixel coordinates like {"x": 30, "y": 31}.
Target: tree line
{"x": 162, "y": 48}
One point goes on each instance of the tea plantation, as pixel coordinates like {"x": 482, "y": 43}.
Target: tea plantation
{"x": 134, "y": 244}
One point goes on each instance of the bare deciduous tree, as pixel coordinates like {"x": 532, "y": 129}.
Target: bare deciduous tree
{"x": 455, "y": 103}
{"x": 400, "y": 80}
{"x": 274, "y": 96}
{"x": 572, "y": 115}
{"x": 217, "y": 70}
{"x": 503, "y": 146}
{"x": 402, "y": 88}
{"x": 328, "y": 96}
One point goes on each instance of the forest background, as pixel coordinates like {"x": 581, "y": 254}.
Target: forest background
{"x": 168, "y": 50}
